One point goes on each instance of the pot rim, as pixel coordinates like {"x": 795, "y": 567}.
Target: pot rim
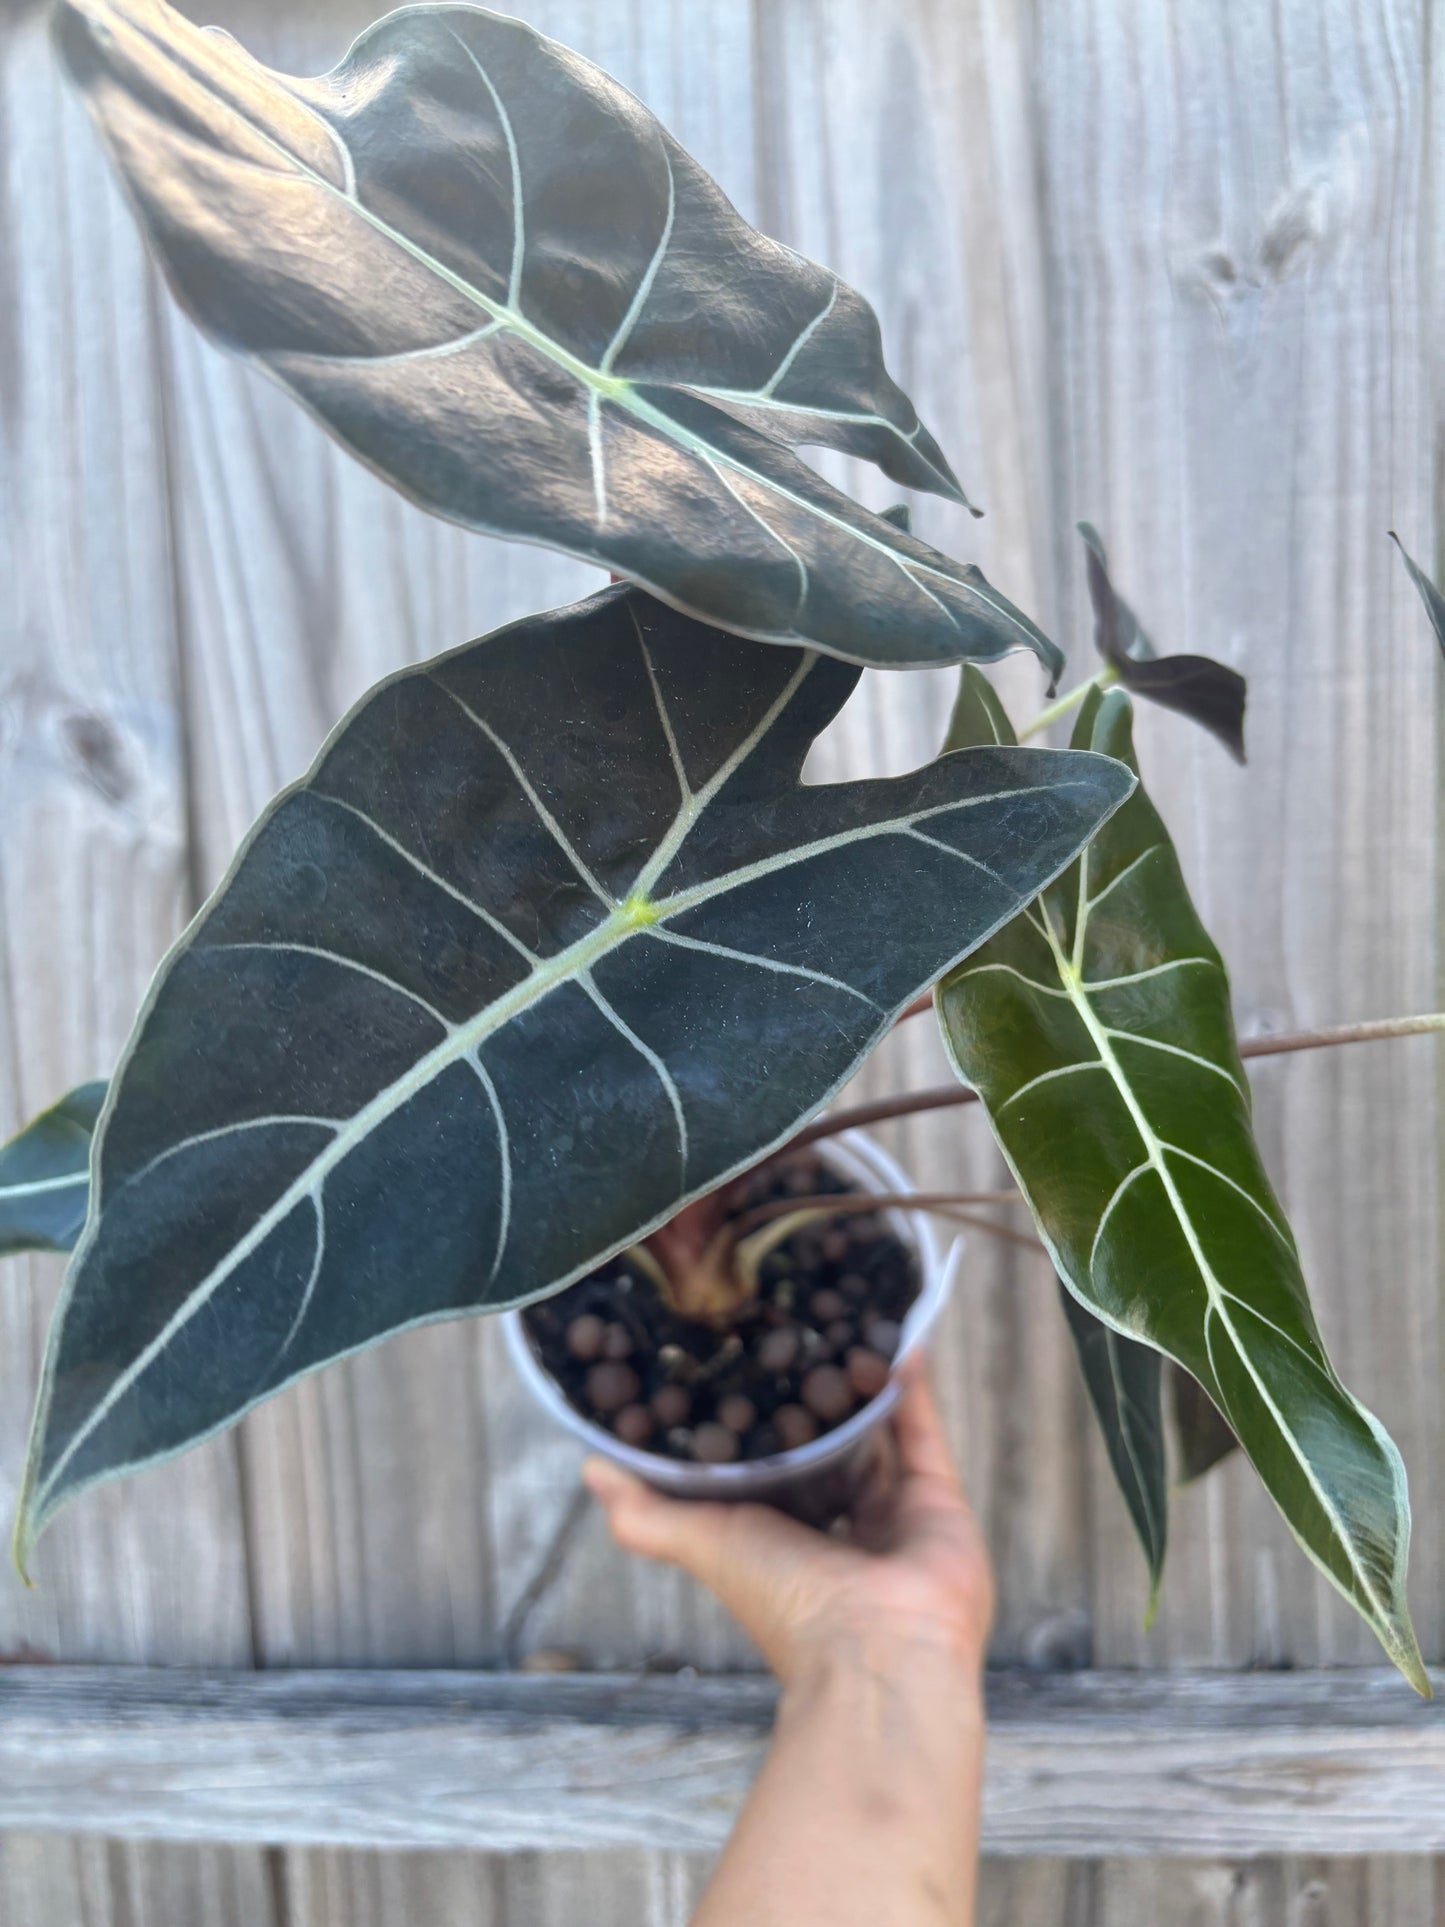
{"x": 859, "y": 1157}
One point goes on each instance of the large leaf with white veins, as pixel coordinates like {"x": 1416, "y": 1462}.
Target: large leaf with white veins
{"x": 1097, "y": 1031}
{"x": 492, "y": 274}
{"x": 1121, "y": 1376}
{"x": 551, "y": 939}
{"x": 45, "y": 1175}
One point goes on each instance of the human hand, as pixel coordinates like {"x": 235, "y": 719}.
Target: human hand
{"x": 912, "y": 1578}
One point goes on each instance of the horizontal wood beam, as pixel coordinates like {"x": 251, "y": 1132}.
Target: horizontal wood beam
{"x": 1345, "y": 1762}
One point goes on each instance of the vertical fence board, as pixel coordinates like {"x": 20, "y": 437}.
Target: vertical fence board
{"x": 1237, "y": 244}
{"x": 92, "y": 888}
{"x": 1167, "y": 268}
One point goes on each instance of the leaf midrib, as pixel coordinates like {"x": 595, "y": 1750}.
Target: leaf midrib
{"x": 1214, "y": 1290}
{"x": 33, "y": 1186}
{"x": 463, "y": 1040}
{"x": 615, "y": 388}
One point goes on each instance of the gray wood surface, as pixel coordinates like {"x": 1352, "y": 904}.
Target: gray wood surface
{"x": 1169, "y": 268}
{"x": 1169, "y": 1763}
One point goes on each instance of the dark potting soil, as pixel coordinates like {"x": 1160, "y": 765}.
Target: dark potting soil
{"x": 813, "y": 1347}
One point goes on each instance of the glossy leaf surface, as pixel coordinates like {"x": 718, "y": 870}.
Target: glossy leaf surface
{"x": 45, "y": 1175}
{"x": 491, "y": 273}
{"x": 1097, "y": 1030}
{"x": 1120, "y": 1375}
{"x": 1208, "y": 692}
{"x": 550, "y": 940}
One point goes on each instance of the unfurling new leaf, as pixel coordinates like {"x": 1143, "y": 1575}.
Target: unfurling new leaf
{"x": 1431, "y": 597}
{"x": 1097, "y": 1030}
{"x": 495, "y": 278}
{"x": 1206, "y": 691}
{"x": 551, "y": 940}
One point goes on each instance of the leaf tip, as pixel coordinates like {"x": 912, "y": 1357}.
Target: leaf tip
{"x": 1156, "y": 1587}
{"x": 22, "y": 1543}
{"x": 1404, "y": 1650}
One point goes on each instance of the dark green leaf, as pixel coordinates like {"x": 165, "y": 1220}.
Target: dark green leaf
{"x": 979, "y": 719}
{"x": 1201, "y": 1436}
{"x": 1121, "y": 634}
{"x": 492, "y": 275}
{"x": 1121, "y": 1375}
{"x": 45, "y": 1175}
{"x": 1196, "y": 686}
{"x": 1096, "y": 1029}
{"x": 551, "y": 939}
{"x": 1431, "y": 597}
{"x": 1122, "y": 1380}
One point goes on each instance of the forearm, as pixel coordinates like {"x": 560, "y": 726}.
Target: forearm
{"x": 867, "y": 1807}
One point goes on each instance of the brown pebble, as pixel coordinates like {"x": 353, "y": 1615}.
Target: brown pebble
{"x": 867, "y": 1372}
{"x": 794, "y": 1426}
{"x": 834, "y": 1245}
{"x": 671, "y": 1405}
{"x": 827, "y": 1393}
{"x": 882, "y": 1335}
{"x": 633, "y": 1425}
{"x": 617, "y": 1342}
{"x": 853, "y": 1286}
{"x": 841, "y": 1334}
{"x": 826, "y": 1305}
{"x": 611, "y": 1385}
{"x": 584, "y": 1336}
{"x": 737, "y": 1412}
{"x": 801, "y": 1181}
{"x": 714, "y": 1444}
{"x": 815, "y": 1347}
{"x": 778, "y": 1350}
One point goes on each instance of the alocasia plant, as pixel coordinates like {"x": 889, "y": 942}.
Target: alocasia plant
{"x": 552, "y": 941}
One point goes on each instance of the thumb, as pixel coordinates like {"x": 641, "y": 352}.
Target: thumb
{"x": 754, "y": 1560}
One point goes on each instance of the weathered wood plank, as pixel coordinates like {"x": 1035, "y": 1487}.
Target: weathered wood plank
{"x": 1305, "y": 1891}
{"x": 1163, "y": 1764}
{"x": 1240, "y": 319}
{"x": 93, "y": 886}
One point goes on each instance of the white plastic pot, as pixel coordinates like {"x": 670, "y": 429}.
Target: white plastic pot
{"x": 817, "y": 1481}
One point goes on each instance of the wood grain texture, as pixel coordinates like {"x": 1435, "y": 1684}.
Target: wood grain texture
{"x": 1163, "y": 1764}
{"x": 1240, "y": 311}
{"x": 93, "y": 886}
{"x": 1168, "y": 268}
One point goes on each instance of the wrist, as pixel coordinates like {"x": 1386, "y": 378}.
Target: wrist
{"x": 923, "y": 1662}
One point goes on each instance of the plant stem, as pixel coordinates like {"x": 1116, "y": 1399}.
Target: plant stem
{"x": 1066, "y": 705}
{"x": 939, "y": 1097}
{"x": 945, "y": 1204}
{"x": 847, "y": 1201}
{"x": 854, "y": 1117}
{"x": 1369, "y": 1032}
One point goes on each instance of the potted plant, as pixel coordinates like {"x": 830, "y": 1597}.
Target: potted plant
{"x": 534, "y": 991}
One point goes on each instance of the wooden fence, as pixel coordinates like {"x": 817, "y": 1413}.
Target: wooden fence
{"x": 1168, "y": 267}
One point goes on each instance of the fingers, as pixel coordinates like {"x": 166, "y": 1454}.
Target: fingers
{"x": 874, "y": 1516}
{"x": 922, "y": 1442}
{"x": 761, "y": 1565}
